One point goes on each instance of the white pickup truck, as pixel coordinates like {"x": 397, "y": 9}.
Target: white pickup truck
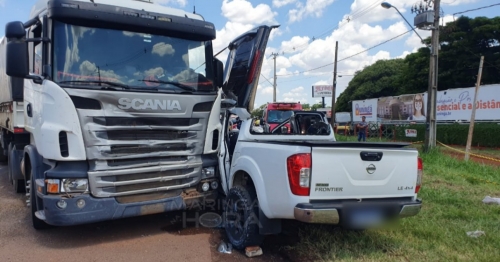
{"x": 303, "y": 173}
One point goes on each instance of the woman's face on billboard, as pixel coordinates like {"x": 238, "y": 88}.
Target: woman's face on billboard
{"x": 418, "y": 103}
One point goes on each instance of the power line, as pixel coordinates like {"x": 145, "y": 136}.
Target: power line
{"x": 266, "y": 79}
{"x": 475, "y": 9}
{"x": 345, "y": 58}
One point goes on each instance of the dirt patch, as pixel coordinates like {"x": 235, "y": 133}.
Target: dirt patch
{"x": 460, "y": 156}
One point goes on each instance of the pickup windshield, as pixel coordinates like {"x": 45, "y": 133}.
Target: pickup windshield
{"x": 137, "y": 60}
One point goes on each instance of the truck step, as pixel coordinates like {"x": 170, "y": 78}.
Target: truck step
{"x": 28, "y": 202}
{"x": 40, "y": 215}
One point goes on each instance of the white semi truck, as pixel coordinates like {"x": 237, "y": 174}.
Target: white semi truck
{"x": 109, "y": 109}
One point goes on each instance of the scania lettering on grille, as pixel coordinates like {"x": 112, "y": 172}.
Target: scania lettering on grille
{"x": 153, "y": 104}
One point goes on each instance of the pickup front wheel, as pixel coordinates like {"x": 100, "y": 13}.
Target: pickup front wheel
{"x": 241, "y": 216}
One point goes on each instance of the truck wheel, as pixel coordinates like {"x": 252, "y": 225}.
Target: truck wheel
{"x": 241, "y": 217}
{"x": 37, "y": 223}
{"x": 18, "y": 184}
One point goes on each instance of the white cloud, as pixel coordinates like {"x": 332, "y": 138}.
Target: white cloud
{"x": 446, "y": 19}
{"x": 458, "y": 2}
{"x": 242, "y": 16}
{"x": 281, "y": 3}
{"x": 312, "y": 7}
{"x": 167, "y": 2}
{"x": 242, "y": 11}
{"x": 296, "y": 44}
{"x": 414, "y": 41}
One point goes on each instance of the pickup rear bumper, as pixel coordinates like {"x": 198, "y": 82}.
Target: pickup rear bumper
{"x": 339, "y": 212}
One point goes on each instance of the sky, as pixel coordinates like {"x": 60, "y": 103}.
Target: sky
{"x": 305, "y": 40}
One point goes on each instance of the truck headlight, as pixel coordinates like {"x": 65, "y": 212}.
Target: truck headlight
{"x": 74, "y": 185}
{"x": 208, "y": 172}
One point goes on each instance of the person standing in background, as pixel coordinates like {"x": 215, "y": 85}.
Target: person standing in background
{"x": 363, "y": 129}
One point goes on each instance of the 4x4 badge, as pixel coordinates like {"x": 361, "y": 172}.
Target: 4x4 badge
{"x": 371, "y": 169}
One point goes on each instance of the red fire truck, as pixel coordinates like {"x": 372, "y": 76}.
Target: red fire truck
{"x": 275, "y": 113}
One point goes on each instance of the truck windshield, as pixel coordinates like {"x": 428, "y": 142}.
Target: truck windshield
{"x": 278, "y": 116}
{"x": 92, "y": 56}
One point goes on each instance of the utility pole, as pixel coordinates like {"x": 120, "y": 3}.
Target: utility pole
{"x": 473, "y": 114}
{"x": 430, "y": 132}
{"x": 274, "y": 85}
{"x": 334, "y": 84}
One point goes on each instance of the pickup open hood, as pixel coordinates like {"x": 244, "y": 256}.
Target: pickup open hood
{"x": 243, "y": 65}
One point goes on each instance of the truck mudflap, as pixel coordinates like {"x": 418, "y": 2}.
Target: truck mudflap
{"x": 84, "y": 209}
{"x": 355, "y": 214}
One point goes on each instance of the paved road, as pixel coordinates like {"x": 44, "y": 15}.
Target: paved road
{"x": 147, "y": 238}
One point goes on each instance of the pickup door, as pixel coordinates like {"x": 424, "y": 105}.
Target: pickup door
{"x": 362, "y": 170}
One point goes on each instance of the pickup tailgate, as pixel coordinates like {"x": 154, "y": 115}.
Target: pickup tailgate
{"x": 363, "y": 172}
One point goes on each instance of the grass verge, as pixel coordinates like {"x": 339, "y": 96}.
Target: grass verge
{"x": 452, "y": 193}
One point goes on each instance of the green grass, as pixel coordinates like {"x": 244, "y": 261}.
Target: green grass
{"x": 451, "y": 194}
{"x": 488, "y": 152}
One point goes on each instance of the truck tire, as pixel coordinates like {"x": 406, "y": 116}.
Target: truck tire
{"x": 241, "y": 217}
{"x": 34, "y": 206}
{"x": 3, "y": 152}
{"x": 18, "y": 184}
{"x": 3, "y": 157}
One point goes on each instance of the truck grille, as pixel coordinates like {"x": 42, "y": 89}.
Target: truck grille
{"x": 144, "y": 121}
{"x": 138, "y": 155}
{"x": 143, "y": 180}
{"x": 147, "y": 149}
{"x": 131, "y": 135}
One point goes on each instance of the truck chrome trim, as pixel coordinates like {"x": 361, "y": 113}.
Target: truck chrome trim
{"x": 317, "y": 216}
{"x": 113, "y": 183}
{"x": 410, "y": 210}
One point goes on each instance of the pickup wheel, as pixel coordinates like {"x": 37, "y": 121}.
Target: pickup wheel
{"x": 241, "y": 218}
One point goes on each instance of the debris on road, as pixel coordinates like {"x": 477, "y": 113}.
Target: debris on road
{"x": 225, "y": 248}
{"x": 253, "y": 251}
{"x": 491, "y": 200}
{"x": 475, "y": 234}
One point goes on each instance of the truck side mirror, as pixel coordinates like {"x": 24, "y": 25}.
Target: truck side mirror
{"x": 219, "y": 72}
{"x": 16, "y": 57}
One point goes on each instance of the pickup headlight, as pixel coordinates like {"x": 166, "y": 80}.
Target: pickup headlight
{"x": 74, "y": 185}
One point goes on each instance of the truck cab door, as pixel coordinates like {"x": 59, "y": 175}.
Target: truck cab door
{"x": 243, "y": 65}
{"x": 241, "y": 77}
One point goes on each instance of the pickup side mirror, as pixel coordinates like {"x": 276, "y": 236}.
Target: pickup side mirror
{"x": 219, "y": 72}
{"x": 17, "y": 61}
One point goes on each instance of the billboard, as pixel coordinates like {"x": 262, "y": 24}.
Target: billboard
{"x": 322, "y": 91}
{"x": 404, "y": 107}
{"x": 456, "y": 104}
{"x": 366, "y": 108}
{"x": 451, "y": 105}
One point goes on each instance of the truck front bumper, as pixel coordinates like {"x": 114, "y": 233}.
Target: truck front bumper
{"x": 102, "y": 209}
{"x": 339, "y": 212}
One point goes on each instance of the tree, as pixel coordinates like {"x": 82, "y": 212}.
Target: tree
{"x": 258, "y": 112}
{"x": 462, "y": 42}
{"x": 383, "y": 78}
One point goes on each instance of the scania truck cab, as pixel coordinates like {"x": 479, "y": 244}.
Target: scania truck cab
{"x": 121, "y": 107}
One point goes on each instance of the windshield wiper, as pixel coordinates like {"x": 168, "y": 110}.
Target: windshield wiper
{"x": 96, "y": 82}
{"x": 177, "y": 84}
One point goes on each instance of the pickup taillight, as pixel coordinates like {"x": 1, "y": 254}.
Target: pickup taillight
{"x": 299, "y": 173}
{"x": 420, "y": 173}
